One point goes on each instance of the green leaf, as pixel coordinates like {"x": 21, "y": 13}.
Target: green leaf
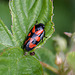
{"x": 71, "y": 60}
{"x": 5, "y": 35}
{"x": 50, "y": 45}
{"x": 25, "y": 13}
{"x": 5, "y": 15}
{"x": 12, "y": 62}
{"x": 46, "y": 56}
{"x": 2, "y": 48}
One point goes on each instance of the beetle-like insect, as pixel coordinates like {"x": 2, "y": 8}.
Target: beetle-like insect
{"x": 35, "y": 35}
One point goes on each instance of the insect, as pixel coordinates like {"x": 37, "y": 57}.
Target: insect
{"x": 35, "y": 35}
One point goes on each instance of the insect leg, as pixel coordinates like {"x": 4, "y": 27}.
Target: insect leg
{"x": 42, "y": 39}
{"x": 36, "y": 22}
{"x": 44, "y": 34}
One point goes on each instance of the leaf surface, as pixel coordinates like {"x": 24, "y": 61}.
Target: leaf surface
{"x": 13, "y": 62}
{"x": 5, "y": 35}
{"x": 25, "y": 13}
{"x": 47, "y": 57}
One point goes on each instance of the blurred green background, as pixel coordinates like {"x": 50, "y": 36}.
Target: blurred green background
{"x": 64, "y": 17}
{"x": 5, "y": 15}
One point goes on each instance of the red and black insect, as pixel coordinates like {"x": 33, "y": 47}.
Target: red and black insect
{"x": 35, "y": 35}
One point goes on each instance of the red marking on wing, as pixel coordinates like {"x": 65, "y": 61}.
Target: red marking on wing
{"x": 27, "y": 41}
{"x": 39, "y": 32}
{"x": 33, "y": 30}
{"x": 29, "y": 34}
{"x": 37, "y": 38}
{"x": 31, "y": 40}
{"x": 31, "y": 45}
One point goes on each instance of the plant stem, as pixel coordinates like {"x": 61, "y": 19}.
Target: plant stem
{"x": 49, "y": 67}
